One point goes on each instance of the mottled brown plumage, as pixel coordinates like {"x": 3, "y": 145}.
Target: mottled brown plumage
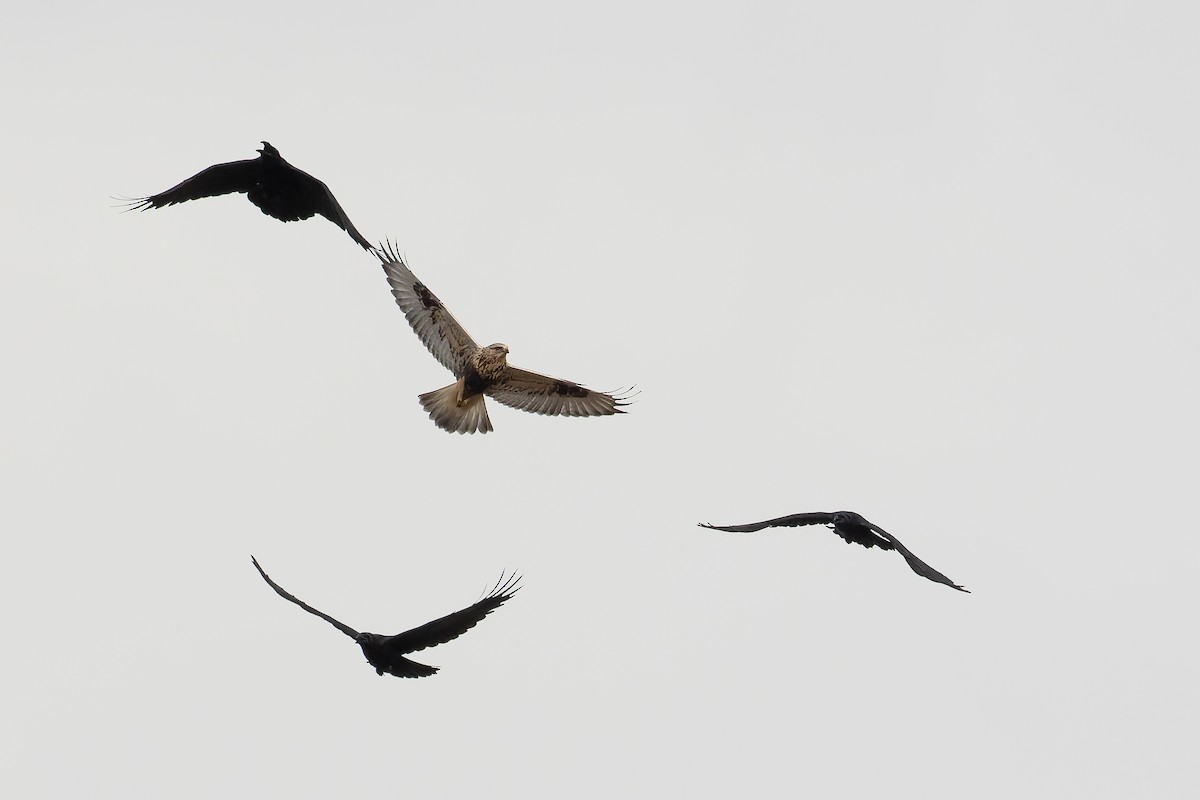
{"x": 481, "y": 371}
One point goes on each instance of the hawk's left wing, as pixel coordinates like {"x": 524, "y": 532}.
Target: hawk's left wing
{"x": 541, "y": 394}
{"x": 433, "y": 324}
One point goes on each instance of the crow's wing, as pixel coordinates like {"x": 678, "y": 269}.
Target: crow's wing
{"x": 328, "y": 207}
{"x": 541, "y": 394}
{"x": 790, "y": 521}
{"x": 434, "y": 325}
{"x": 454, "y": 625}
{"x": 346, "y": 629}
{"x": 918, "y": 566}
{"x": 235, "y": 176}
{"x": 332, "y": 210}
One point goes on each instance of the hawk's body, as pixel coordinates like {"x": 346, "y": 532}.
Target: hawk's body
{"x": 386, "y": 653}
{"x": 852, "y": 527}
{"x": 271, "y": 183}
{"x": 481, "y": 371}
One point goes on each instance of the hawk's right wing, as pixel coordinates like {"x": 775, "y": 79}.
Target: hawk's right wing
{"x": 542, "y": 394}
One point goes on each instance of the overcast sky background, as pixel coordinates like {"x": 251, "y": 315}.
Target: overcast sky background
{"x": 929, "y": 262}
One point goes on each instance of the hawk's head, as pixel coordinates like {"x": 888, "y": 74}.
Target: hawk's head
{"x": 490, "y": 361}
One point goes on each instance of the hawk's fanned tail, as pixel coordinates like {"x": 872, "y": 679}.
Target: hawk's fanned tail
{"x": 444, "y": 409}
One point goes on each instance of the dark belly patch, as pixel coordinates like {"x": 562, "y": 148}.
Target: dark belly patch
{"x": 473, "y": 384}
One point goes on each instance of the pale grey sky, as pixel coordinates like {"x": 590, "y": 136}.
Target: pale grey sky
{"x": 935, "y": 263}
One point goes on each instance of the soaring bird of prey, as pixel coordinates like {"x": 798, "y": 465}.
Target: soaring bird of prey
{"x": 275, "y": 186}
{"x": 852, "y": 527}
{"x": 481, "y": 371}
{"x": 386, "y": 653}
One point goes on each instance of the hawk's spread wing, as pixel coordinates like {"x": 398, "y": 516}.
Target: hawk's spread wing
{"x": 454, "y": 625}
{"x": 433, "y": 324}
{"x": 918, "y": 566}
{"x": 234, "y": 176}
{"x": 346, "y": 629}
{"x": 790, "y": 521}
{"x": 541, "y": 394}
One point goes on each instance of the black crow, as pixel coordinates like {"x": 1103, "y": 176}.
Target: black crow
{"x": 275, "y": 186}
{"x": 852, "y": 527}
{"x": 386, "y": 653}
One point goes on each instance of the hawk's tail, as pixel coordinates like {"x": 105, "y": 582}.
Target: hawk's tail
{"x": 450, "y": 415}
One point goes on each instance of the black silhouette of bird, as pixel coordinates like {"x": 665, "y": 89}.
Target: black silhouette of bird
{"x": 386, "y": 653}
{"x": 460, "y": 407}
{"x": 852, "y": 527}
{"x": 275, "y": 186}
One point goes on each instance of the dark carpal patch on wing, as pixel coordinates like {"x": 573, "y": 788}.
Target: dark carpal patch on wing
{"x": 425, "y": 296}
{"x": 569, "y": 390}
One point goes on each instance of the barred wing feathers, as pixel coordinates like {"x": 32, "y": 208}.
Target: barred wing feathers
{"x": 540, "y": 394}
{"x": 434, "y": 325}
